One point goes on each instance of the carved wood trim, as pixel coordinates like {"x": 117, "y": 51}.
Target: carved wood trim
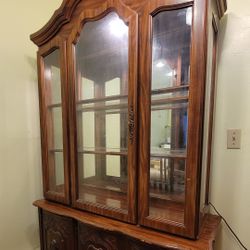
{"x": 57, "y": 224}
{"x": 60, "y": 17}
{"x": 93, "y": 239}
{"x": 222, "y": 7}
{"x": 131, "y": 123}
{"x": 58, "y": 232}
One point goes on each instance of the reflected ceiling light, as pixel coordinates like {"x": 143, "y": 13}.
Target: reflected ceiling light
{"x": 189, "y": 16}
{"x": 47, "y": 73}
{"x": 117, "y": 27}
{"x": 160, "y": 64}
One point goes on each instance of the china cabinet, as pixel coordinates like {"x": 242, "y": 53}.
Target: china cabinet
{"x": 126, "y": 103}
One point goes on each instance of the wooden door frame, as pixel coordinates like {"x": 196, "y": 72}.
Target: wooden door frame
{"x": 195, "y": 114}
{"x": 60, "y": 44}
{"x": 131, "y": 18}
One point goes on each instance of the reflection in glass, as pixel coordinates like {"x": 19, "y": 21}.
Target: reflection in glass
{"x": 52, "y": 77}
{"x": 171, "y": 48}
{"x": 102, "y": 104}
{"x": 56, "y": 181}
{"x": 56, "y": 116}
{"x": 169, "y": 118}
{"x": 54, "y": 121}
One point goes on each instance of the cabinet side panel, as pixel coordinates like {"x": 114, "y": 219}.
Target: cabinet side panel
{"x": 209, "y": 109}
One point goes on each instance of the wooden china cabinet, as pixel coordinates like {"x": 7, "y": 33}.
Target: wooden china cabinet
{"x": 126, "y": 102}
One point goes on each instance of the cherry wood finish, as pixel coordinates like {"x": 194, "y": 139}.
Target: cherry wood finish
{"x": 195, "y": 111}
{"x": 102, "y": 232}
{"x": 64, "y": 15}
{"x": 60, "y": 17}
{"x": 62, "y": 32}
{"x": 212, "y": 105}
{"x": 131, "y": 19}
{"x": 60, "y": 44}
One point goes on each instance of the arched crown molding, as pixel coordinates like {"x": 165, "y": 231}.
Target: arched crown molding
{"x": 63, "y": 15}
{"x": 60, "y": 17}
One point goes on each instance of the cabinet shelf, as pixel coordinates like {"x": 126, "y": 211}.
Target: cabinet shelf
{"x": 124, "y": 106}
{"x": 169, "y": 89}
{"x": 120, "y": 97}
{"x": 56, "y": 150}
{"x": 169, "y": 100}
{"x": 115, "y": 196}
{"x": 103, "y": 108}
{"x": 162, "y": 195}
{"x": 104, "y": 99}
{"x": 55, "y": 105}
{"x": 166, "y": 153}
{"x": 117, "y": 187}
{"x": 103, "y": 152}
{"x": 104, "y": 196}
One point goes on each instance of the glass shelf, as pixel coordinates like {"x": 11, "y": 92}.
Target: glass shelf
{"x": 102, "y": 115}
{"x": 169, "y": 115}
{"x": 104, "y": 151}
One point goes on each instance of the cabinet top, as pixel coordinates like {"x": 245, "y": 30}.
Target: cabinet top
{"x": 64, "y": 14}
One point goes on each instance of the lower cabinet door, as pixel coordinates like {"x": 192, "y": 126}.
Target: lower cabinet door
{"x": 132, "y": 244}
{"x": 91, "y": 238}
{"x": 58, "y": 232}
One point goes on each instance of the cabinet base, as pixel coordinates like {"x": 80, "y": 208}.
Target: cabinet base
{"x": 65, "y": 228}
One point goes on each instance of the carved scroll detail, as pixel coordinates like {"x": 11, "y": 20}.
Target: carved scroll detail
{"x": 131, "y": 123}
{"x": 92, "y": 247}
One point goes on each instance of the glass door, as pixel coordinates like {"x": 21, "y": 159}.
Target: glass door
{"x": 169, "y": 96}
{"x": 104, "y": 114}
{"x": 52, "y": 89}
{"x": 169, "y": 118}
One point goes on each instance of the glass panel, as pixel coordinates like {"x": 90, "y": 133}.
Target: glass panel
{"x": 56, "y": 142}
{"x": 54, "y": 128}
{"x": 171, "y": 48}
{"x": 52, "y": 77}
{"x": 169, "y": 118}
{"x": 103, "y": 179}
{"x": 102, "y": 104}
{"x": 54, "y": 121}
{"x": 56, "y": 172}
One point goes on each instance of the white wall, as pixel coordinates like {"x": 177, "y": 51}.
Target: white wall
{"x": 20, "y": 162}
{"x": 231, "y": 168}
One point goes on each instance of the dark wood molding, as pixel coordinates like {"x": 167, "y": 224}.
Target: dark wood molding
{"x": 222, "y": 7}
{"x": 57, "y": 232}
{"x": 147, "y": 236}
{"x": 46, "y": 121}
{"x": 60, "y": 17}
{"x": 212, "y": 107}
